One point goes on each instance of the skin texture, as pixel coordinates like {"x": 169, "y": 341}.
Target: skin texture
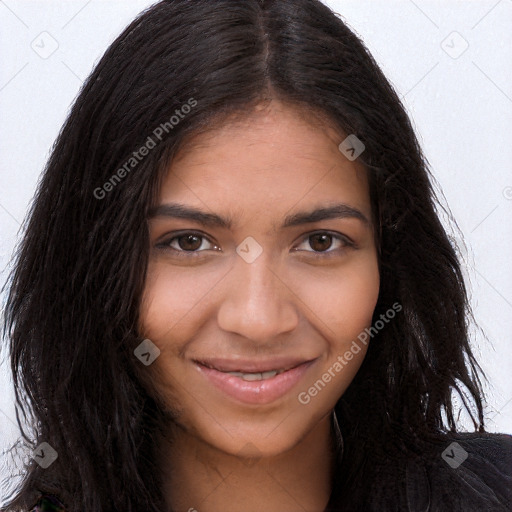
{"x": 220, "y": 453}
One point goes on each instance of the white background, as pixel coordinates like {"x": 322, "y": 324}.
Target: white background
{"x": 461, "y": 109}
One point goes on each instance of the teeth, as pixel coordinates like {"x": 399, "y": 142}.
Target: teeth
{"x": 256, "y": 376}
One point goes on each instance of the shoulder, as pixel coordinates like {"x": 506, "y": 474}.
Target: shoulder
{"x": 466, "y": 471}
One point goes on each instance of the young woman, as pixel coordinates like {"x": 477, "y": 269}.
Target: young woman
{"x": 234, "y": 292}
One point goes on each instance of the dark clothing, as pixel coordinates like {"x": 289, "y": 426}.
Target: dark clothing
{"x": 48, "y": 503}
{"x": 471, "y": 473}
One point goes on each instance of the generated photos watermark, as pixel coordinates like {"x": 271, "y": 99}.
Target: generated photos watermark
{"x": 304, "y": 397}
{"x": 45, "y": 455}
{"x": 146, "y": 352}
{"x": 352, "y": 147}
{"x": 151, "y": 142}
{"x": 454, "y": 455}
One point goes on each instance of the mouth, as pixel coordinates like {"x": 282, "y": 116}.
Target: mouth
{"x": 254, "y": 382}
{"x": 251, "y": 371}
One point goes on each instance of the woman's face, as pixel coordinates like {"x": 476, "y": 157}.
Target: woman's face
{"x": 244, "y": 276}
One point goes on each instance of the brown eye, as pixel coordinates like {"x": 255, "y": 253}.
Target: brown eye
{"x": 189, "y": 242}
{"x": 324, "y": 244}
{"x": 320, "y": 242}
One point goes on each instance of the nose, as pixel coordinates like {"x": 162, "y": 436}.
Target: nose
{"x": 256, "y": 303}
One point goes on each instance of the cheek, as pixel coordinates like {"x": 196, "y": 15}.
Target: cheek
{"x": 172, "y": 300}
{"x": 172, "y": 308}
{"x": 343, "y": 300}
{"x": 343, "y": 304}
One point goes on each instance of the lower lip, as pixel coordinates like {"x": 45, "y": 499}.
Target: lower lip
{"x": 255, "y": 392}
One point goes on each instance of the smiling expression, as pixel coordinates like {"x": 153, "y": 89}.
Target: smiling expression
{"x": 262, "y": 259}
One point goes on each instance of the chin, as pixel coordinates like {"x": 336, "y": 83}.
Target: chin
{"x": 259, "y": 437}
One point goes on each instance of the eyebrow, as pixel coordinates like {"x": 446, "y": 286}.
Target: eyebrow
{"x": 179, "y": 211}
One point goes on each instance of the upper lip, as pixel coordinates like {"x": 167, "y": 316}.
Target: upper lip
{"x": 252, "y": 365}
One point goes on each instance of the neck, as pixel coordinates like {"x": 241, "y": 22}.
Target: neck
{"x": 199, "y": 477}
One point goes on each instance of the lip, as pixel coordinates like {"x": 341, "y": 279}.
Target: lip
{"x": 251, "y": 365}
{"x": 255, "y": 392}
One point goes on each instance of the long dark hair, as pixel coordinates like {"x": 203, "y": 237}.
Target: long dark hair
{"x": 72, "y": 307}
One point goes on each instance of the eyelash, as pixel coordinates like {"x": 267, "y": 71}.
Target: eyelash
{"x": 345, "y": 241}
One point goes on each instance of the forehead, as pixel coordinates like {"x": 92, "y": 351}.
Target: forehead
{"x": 274, "y": 158}
{"x": 300, "y": 133}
